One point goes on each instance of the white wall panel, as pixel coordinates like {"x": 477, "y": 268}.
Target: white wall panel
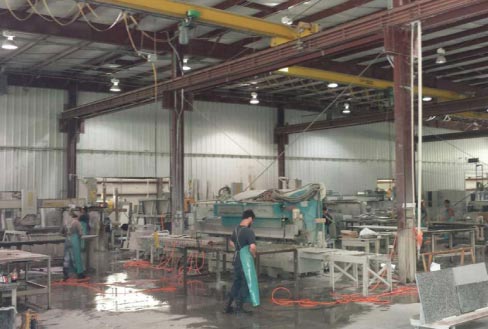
{"x": 128, "y": 130}
{"x": 31, "y": 155}
{"x": 224, "y": 143}
{"x": 216, "y": 128}
{"x": 28, "y": 117}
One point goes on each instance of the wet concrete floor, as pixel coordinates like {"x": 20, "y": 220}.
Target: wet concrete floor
{"x": 129, "y": 298}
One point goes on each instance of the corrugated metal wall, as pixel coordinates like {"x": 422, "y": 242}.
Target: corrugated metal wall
{"x": 347, "y": 160}
{"x": 351, "y": 159}
{"x": 31, "y": 149}
{"x": 224, "y": 144}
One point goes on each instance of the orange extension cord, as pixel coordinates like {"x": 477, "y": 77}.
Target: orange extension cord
{"x": 167, "y": 265}
{"x": 339, "y": 299}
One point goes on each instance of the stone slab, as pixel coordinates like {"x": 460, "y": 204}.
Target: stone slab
{"x": 472, "y": 296}
{"x": 470, "y": 274}
{"x": 438, "y": 295}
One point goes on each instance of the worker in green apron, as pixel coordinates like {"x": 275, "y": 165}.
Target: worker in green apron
{"x": 245, "y": 284}
{"x": 73, "y": 261}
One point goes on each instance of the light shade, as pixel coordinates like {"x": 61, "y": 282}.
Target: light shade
{"x": 286, "y": 20}
{"x": 332, "y": 85}
{"x": 254, "y": 98}
{"x": 115, "y": 88}
{"x": 441, "y": 56}
{"x": 183, "y": 35}
{"x": 9, "y": 43}
{"x": 185, "y": 66}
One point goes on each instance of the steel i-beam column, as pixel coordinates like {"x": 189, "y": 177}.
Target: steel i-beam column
{"x": 72, "y": 130}
{"x": 281, "y": 140}
{"x": 397, "y": 42}
{"x": 177, "y": 114}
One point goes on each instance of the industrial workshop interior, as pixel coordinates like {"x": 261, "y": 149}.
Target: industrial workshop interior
{"x": 247, "y": 164}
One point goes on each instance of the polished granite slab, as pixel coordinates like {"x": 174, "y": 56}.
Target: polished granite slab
{"x": 438, "y": 295}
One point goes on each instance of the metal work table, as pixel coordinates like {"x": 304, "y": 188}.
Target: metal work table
{"x": 367, "y": 242}
{"x": 350, "y": 223}
{"x": 353, "y": 259}
{"x": 19, "y": 257}
{"x": 12, "y": 287}
{"x": 220, "y": 249}
{"x": 377, "y": 227}
{"x": 19, "y": 244}
{"x": 451, "y": 233}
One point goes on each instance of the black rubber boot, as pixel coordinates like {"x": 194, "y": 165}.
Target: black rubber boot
{"x": 240, "y": 308}
{"x": 65, "y": 274}
{"x": 228, "y": 306}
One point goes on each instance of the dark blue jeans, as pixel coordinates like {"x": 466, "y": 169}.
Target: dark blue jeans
{"x": 239, "y": 290}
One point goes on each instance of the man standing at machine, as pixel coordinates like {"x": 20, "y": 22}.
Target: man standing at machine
{"x": 242, "y": 237}
{"x": 449, "y": 214}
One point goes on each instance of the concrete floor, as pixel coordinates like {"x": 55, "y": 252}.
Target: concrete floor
{"x": 124, "y": 305}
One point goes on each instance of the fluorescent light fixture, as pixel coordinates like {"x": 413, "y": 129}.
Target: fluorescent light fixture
{"x": 285, "y": 69}
{"x": 111, "y": 65}
{"x": 8, "y": 43}
{"x": 441, "y": 56}
{"x": 115, "y": 88}
{"x": 332, "y": 85}
{"x": 347, "y": 109}
{"x": 427, "y": 98}
{"x": 186, "y": 67}
{"x": 254, "y": 98}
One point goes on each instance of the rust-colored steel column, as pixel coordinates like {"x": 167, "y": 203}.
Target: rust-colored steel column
{"x": 72, "y": 134}
{"x": 397, "y": 42}
{"x": 281, "y": 142}
{"x": 177, "y": 156}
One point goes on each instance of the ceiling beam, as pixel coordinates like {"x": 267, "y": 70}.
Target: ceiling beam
{"x": 115, "y": 36}
{"x": 317, "y": 45}
{"x": 455, "y": 136}
{"x": 432, "y": 42}
{"x": 21, "y": 50}
{"x": 451, "y": 107}
{"x": 208, "y": 15}
{"x": 348, "y": 5}
{"x": 65, "y": 53}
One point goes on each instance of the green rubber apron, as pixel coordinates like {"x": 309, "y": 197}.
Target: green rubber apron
{"x": 247, "y": 262}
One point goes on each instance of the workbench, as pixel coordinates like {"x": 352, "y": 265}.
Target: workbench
{"x": 16, "y": 258}
{"x": 450, "y": 233}
{"x": 366, "y": 243}
{"x": 353, "y": 259}
{"x": 12, "y": 288}
{"x": 351, "y": 223}
{"x": 221, "y": 250}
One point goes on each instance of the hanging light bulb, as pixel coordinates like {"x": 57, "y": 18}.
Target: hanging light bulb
{"x": 346, "y": 109}
{"x": 441, "y": 56}
{"x": 115, "y": 88}
{"x": 332, "y": 85}
{"x": 8, "y": 43}
{"x": 286, "y": 20}
{"x": 254, "y": 98}
{"x": 186, "y": 67}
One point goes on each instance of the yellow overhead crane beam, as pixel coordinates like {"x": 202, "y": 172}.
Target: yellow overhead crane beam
{"x": 215, "y": 16}
{"x": 314, "y": 74}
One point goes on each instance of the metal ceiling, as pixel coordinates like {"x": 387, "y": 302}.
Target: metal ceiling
{"x": 52, "y": 55}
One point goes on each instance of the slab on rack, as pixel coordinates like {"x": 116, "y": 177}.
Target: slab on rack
{"x": 437, "y": 295}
